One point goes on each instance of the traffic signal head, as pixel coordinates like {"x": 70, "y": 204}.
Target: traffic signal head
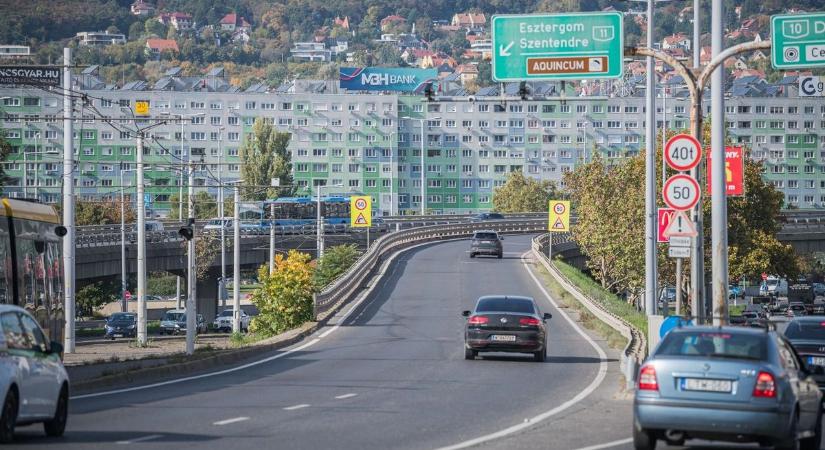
{"x": 187, "y": 232}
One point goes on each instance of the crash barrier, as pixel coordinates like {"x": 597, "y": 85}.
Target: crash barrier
{"x": 636, "y": 349}
{"x": 349, "y": 284}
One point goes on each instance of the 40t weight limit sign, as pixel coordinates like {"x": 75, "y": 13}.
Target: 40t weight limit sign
{"x": 683, "y": 152}
{"x": 681, "y": 192}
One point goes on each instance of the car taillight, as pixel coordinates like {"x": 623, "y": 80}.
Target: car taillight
{"x": 529, "y": 321}
{"x": 647, "y": 379}
{"x": 765, "y": 385}
{"x": 478, "y": 320}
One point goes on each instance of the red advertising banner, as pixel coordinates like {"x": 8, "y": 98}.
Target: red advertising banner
{"x": 734, "y": 171}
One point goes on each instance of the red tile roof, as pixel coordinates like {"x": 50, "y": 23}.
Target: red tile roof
{"x": 162, "y": 44}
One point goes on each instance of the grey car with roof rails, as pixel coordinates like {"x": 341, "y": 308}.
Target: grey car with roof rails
{"x": 487, "y": 242}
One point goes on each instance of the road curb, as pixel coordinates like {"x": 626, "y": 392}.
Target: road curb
{"x": 154, "y": 369}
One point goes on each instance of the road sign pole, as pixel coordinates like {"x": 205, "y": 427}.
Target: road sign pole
{"x": 191, "y": 300}
{"x": 236, "y": 263}
{"x": 678, "y": 286}
{"x": 719, "y": 210}
{"x": 68, "y": 204}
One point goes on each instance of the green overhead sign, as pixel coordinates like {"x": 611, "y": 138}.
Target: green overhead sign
{"x": 798, "y": 40}
{"x": 557, "y": 46}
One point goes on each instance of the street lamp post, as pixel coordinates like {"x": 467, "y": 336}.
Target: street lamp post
{"x": 319, "y": 220}
{"x": 221, "y": 287}
{"x": 123, "y": 276}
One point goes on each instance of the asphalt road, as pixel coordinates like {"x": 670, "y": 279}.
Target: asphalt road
{"x": 392, "y": 375}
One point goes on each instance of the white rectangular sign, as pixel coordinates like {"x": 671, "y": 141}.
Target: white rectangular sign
{"x": 679, "y": 241}
{"x": 678, "y": 252}
{"x": 811, "y": 86}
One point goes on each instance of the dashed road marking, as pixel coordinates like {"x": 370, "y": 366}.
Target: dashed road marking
{"x": 140, "y": 439}
{"x": 341, "y": 397}
{"x": 232, "y": 420}
{"x": 608, "y": 444}
{"x": 294, "y": 407}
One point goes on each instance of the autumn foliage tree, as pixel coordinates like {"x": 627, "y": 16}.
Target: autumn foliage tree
{"x": 285, "y": 297}
{"x": 523, "y": 194}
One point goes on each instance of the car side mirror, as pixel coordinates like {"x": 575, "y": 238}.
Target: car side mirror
{"x": 547, "y": 316}
{"x": 55, "y": 348}
{"x": 465, "y": 313}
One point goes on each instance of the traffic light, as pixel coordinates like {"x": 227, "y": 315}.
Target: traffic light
{"x": 523, "y": 91}
{"x": 429, "y": 93}
{"x": 188, "y": 231}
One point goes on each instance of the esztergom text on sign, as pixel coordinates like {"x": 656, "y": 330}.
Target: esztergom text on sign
{"x": 557, "y": 46}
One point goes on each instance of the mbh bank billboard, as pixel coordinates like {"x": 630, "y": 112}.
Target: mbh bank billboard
{"x": 386, "y": 79}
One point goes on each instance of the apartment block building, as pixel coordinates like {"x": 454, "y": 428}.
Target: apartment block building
{"x": 372, "y": 143}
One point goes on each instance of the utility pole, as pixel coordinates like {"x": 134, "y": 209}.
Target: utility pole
{"x": 141, "y": 244}
{"x": 191, "y": 302}
{"x": 68, "y": 204}
{"x": 423, "y": 187}
{"x": 719, "y": 201}
{"x": 650, "y": 175}
{"x": 236, "y": 263}
{"x": 222, "y": 285}
{"x": 271, "y": 238}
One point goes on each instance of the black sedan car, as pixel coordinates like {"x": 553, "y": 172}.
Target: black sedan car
{"x": 807, "y": 335}
{"x": 121, "y": 325}
{"x": 505, "y": 323}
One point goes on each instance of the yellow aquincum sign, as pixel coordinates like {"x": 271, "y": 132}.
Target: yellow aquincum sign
{"x": 559, "y": 217}
{"x": 360, "y": 211}
{"x": 141, "y": 108}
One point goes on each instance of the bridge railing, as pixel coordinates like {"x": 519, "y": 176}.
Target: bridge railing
{"x": 636, "y": 349}
{"x": 347, "y": 286}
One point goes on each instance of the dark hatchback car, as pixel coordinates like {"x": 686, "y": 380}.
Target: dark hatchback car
{"x": 504, "y": 323}
{"x": 486, "y": 243}
{"x": 807, "y": 336}
{"x": 487, "y": 216}
{"x": 121, "y": 325}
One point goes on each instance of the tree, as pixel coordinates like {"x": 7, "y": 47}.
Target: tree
{"x": 523, "y": 194}
{"x": 284, "y": 298}
{"x": 206, "y": 207}
{"x": 136, "y": 30}
{"x": 154, "y": 27}
{"x": 265, "y": 156}
{"x": 91, "y": 297}
{"x": 102, "y": 213}
{"x": 335, "y": 261}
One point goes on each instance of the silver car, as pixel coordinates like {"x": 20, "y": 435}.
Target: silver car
{"x": 730, "y": 384}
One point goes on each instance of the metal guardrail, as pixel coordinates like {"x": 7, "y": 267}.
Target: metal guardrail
{"x": 636, "y": 349}
{"x": 346, "y": 287}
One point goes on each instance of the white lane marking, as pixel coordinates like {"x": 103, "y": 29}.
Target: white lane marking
{"x": 608, "y": 444}
{"x": 341, "y": 397}
{"x": 547, "y": 414}
{"x": 344, "y": 317}
{"x": 294, "y": 407}
{"x": 140, "y": 439}
{"x": 232, "y": 420}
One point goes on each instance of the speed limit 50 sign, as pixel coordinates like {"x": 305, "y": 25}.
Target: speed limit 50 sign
{"x": 681, "y": 192}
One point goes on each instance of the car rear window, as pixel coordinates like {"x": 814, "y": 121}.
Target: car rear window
{"x": 492, "y": 236}
{"x": 814, "y": 331}
{"x": 505, "y": 305}
{"x": 122, "y": 318}
{"x": 714, "y": 344}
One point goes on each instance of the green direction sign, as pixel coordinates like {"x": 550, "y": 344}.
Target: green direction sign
{"x": 557, "y": 46}
{"x": 798, "y": 40}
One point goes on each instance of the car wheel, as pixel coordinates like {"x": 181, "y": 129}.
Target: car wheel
{"x": 470, "y": 353}
{"x": 643, "y": 439}
{"x": 541, "y": 355}
{"x": 813, "y": 442}
{"x": 8, "y": 417}
{"x": 789, "y": 443}
{"x": 57, "y": 425}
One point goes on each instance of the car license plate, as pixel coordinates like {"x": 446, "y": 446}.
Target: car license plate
{"x": 816, "y": 360}
{"x": 701, "y": 384}
{"x": 503, "y": 338}
{"x": 486, "y": 242}
{"x": 118, "y": 335}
